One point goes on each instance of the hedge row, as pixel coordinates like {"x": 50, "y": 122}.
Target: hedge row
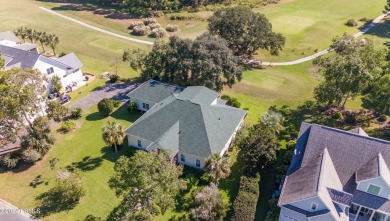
{"x": 244, "y": 207}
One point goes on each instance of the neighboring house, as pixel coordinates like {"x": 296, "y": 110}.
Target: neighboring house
{"x": 337, "y": 175}
{"x": 152, "y": 92}
{"x": 192, "y": 124}
{"x": 67, "y": 68}
{"x": 8, "y": 38}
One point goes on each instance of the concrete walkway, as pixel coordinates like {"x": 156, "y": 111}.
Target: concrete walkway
{"x": 266, "y": 63}
{"x": 116, "y": 91}
{"x": 96, "y": 28}
{"x": 9, "y": 212}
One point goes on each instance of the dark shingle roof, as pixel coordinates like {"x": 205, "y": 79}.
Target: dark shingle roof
{"x": 306, "y": 213}
{"x": 340, "y": 197}
{"x": 154, "y": 91}
{"x": 9, "y": 35}
{"x": 202, "y": 128}
{"x": 348, "y": 153}
{"x": 371, "y": 201}
{"x": 19, "y": 57}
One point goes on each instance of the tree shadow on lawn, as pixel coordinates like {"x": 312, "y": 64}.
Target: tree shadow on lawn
{"x": 87, "y": 163}
{"x": 123, "y": 114}
{"x": 21, "y": 167}
{"x": 123, "y": 150}
{"x": 52, "y": 202}
{"x": 381, "y": 30}
{"x": 95, "y": 117}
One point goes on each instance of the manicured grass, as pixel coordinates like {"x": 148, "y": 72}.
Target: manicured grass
{"x": 309, "y": 25}
{"x": 94, "y": 49}
{"x": 282, "y": 85}
{"x": 83, "y": 148}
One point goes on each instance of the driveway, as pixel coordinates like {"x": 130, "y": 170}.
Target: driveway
{"x": 117, "y": 91}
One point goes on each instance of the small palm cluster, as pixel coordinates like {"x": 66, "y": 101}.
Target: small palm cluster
{"x": 113, "y": 134}
{"x": 45, "y": 39}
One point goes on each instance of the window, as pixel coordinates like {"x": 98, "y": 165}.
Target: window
{"x": 374, "y": 189}
{"x": 145, "y": 106}
{"x": 139, "y": 143}
{"x": 50, "y": 70}
{"x": 314, "y": 206}
{"x": 197, "y": 163}
{"x": 182, "y": 158}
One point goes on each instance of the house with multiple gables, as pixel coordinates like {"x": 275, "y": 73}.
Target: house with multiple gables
{"x": 337, "y": 175}
{"x": 16, "y": 55}
{"x": 192, "y": 123}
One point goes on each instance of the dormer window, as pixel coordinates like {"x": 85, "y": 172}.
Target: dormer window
{"x": 50, "y": 70}
{"x": 373, "y": 189}
{"x": 314, "y": 206}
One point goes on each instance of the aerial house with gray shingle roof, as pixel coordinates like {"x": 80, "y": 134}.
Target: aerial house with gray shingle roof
{"x": 193, "y": 123}
{"x": 337, "y": 175}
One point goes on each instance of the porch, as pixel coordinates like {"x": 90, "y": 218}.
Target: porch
{"x": 361, "y": 213}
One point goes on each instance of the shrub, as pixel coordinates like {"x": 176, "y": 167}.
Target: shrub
{"x": 31, "y": 155}
{"x": 148, "y": 21}
{"x": 172, "y": 28}
{"x": 158, "y": 33}
{"x": 76, "y": 113}
{"x": 367, "y": 20}
{"x": 67, "y": 126}
{"x": 141, "y": 30}
{"x": 132, "y": 107}
{"x": 62, "y": 54}
{"x": 10, "y": 160}
{"x": 231, "y": 101}
{"x": 274, "y": 210}
{"x": 351, "y": 23}
{"x": 134, "y": 24}
{"x": 382, "y": 118}
{"x": 350, "y": 118}
{"x": 182, "y": 16}
{"x": 154, "y": 25}
{"x": 337, "y": 116}
{"x": 105, "y": 107}
{"x": 116, "y": 103}
{"x": 244, "y": 207}
{"x": 114, "y": 78}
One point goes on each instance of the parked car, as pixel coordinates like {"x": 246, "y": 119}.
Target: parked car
{"x": 65, "y": 99}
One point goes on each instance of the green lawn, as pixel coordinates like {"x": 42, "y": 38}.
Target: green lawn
{"x": 281, "y": 85}
{"x": 94, "y": 49}
{"x": 308, "y": 26}
{"x": 83, "y": 148}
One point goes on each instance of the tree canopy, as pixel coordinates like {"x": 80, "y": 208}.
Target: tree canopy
{"x": 245, "y": 31}
{"x": 205, "y": 61}
{"x": 149, "y": 181}
{"x": 22, "y": 94}
{"x": 349, "y": 71}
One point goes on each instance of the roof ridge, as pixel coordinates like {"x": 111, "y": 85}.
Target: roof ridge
{"x": 350, "y": 133}
{"x": 165, "y": 133}
{"x": 205, "y": 127}
{"x": 321, "y": 172}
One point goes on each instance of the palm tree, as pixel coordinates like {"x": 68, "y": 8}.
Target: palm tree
{"x": 113, "y": 134}
{"x": 34, "y": 36}
{"x": 43, "y": 39}
{"x": 22, "y": 32}
{"x": 273, "y": 119}
{"x": 217, "y": 167}
{"x": 53, "y": 41}
{"x": 30, "y": 34}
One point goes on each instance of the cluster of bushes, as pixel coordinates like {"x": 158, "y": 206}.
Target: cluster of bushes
{"x": 244, "y": 207}
{"x": 231, "y": 101}
{"x": 274, "y": 210}
{"x": 182, "y": 16}
{"x": 106, "y": 106}
{"x": 132, "y": 108}
{"x": 149, "y": 27}
{"x": 172, "y": 28}
{"x": 68, "y": 126}
{"x": 366, "y": 20}
{"x": 351, "y": 23}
